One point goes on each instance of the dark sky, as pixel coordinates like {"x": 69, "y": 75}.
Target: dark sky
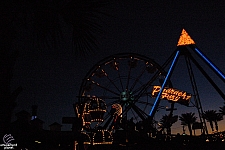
{"x": 51, "y": 78}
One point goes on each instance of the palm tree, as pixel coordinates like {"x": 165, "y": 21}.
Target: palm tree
{"x": 167, "y": 122}
{"x": 218, "y": 117}
{"x": 188, "y": 119}
{"x": 45, "y": 22}
{"x": 212, "y": 116}
{"x": 222, "y": 110}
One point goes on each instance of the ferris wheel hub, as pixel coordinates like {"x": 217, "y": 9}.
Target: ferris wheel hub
{"x": 127, "y": 97}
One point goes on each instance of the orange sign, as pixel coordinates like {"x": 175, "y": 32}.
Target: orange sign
{"x": 172, "y": 94}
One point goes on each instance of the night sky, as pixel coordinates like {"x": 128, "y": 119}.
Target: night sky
{"x": 51, "y": 78}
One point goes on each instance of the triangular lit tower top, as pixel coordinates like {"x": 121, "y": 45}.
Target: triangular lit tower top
{"x": 185, "y": 39}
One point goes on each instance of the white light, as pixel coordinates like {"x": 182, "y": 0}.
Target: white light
{"x": 37, "y": 142}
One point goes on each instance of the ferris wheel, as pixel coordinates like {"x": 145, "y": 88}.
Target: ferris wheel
{"x": 120, "y": 87}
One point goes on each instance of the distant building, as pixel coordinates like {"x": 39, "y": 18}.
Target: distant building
{"x": 22, "y": 123}
{"x": 29, "y": 134}
{"x": 23, "y": 116}
{"x": 37, "y": 123}
{"x": 55, "y": 127}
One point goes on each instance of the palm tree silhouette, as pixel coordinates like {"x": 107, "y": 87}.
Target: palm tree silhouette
{"x": 188, "y": 119}
{"x": 222, "y": 110}
{"x": 212, "y": 116}
{"x": 167, "y": 122}
{"x": 209, "y": 115}
{"x": 45, "y": 21}
{"x": 49, "y": 21}
{"x": 218, "y": 117}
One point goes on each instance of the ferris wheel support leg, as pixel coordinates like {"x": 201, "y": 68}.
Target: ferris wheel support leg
{"x": 157, "y": 101}
{"x": 218, "y": 72}
{"x": 220, "y": 92}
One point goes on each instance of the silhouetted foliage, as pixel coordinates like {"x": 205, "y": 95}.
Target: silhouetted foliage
{"x": 188, "y": 119}
{"x": 212, "y": 116}
{"x": 47, "y": 21}
{"x": 222, "y": 110}
{"x": 167, "y": 122}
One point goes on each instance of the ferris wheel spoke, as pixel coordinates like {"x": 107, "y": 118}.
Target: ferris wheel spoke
{"x": 102, "y": 73}
{"x": 109, "y": 97}
{"x": 113, "y": 102}
{"x": 139, "y": 89}
{"x": 140, "y": 113}
{"x": 113, "y": 83}
{"x": 135, "y": 116}
{"x": 107, "y": 89}
{"x": 145, "y": 103}
{"x": 146, "y": 94}
{"x": 137, "y": 79}
{"x": 126, "y": 109}
{"x": 128, "y": 76}
{"x": 115, "y": 66}
{"x": 107, "y": 117}
{"x": 142, "y": 90}
{"x": 142, "y": 87}
{"x": 121, "y": 83}
{"x": 108, "y": 122}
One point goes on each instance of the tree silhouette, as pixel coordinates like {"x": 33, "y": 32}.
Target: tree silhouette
{"x": 222, "y": 110}
{"x": 212, "y": 116}
{"x": 45, "y": 21}
{"x": 48, "y": 20}
{"x": 209, "y": 115}
{"x": 188, "y": 119}
{"x": 218, "y": 117}
{"x": 167, "y": 122}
